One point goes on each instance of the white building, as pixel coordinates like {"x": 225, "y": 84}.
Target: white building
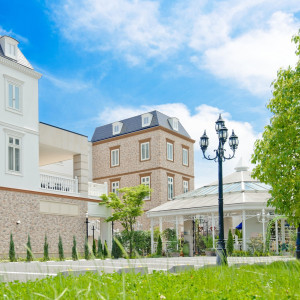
{"x": 45, "y": 171}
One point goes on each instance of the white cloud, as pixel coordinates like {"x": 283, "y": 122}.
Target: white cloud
{"x": 245, "y": 42}
{"x": 195, "y": 123}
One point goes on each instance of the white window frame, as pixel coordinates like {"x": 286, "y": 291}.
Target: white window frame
{"x": 170, "y": 151}
{"x": 145, "y": 180}
{"x": 15, "y": 84}
{"x": 10, "y": 47}
{"x": 170, "y": 187}
{"x": 115, "y": 157}
{"x": 185, "y": 158}
{"x": 145, "y": 152}
{"x": 185, "y": 186}
{"x": 146, "y": 119}
{"x": 14, "y": 135}
{"x": 115, "y": 185}
{"x": 117, "y": 127}
{"x": 175, "y": 124}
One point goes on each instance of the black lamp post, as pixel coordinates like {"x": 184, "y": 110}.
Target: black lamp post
{"x": 222, "y": 132}
{"x": 87, "y": 225}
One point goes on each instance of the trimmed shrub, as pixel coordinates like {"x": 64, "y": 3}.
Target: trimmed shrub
{"x": 116, "y": 251}
{"x": 159, "y": 246}
{"x": 46, "y": 249}
{"x": 74, "y": 250}
{"x": 100, "y": 249}
{"x": 94, "y": 248}
{"x": 12, "y": 253}
{"x": 60, "y": 249}
{"x": 229, "y": 243}
{"x": 86, "y": 249}
{"x": 105, "y": 250}
{"x": 29, "y": 256}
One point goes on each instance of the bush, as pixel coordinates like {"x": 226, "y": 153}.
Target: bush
{"x": 12, "y": 253}
{"x": 74, "y": 250}
{"x": 29, "y": 256}
{"x": 238, "y": 253}
{"x": 94, "y": 248}
{"x": 105, "y": 250}
{"x": 229, "y": 243}
{"x": 86, "y": 249}
{"x": 100, "y": 249}
{"x": 46, "y": 249}
{"x": 116, "y": 251}
{"x": 159, "y": 247}
{"x": 60, "y": 249}
{"x": 186, "y": 249}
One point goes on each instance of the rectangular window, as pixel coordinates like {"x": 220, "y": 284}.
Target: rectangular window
{"x": 145, "y": 151}
{"x": 170, "y": 188}
{"x": 12, "y": 49}
{"x": 115, "y": 185}
{"x": 14, "y": 154}
{"x": 185, "y": 186}
{"x": 185, "y": 156}
{"x": 13, "y": 96}
{"x": 170, "y": 149}
{"x": 146, "y": 181}
{"x": 115, "y": 157}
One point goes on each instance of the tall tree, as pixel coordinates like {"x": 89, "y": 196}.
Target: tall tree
{"x": 277, "y": 153}
{"x": 126, "y": 208}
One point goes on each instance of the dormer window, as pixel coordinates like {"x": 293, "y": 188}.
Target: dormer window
{"x": 174, "y": 123}
{"x": 11, "y": 50}
{"x": 9, "y": 46}
{"x": 117, "y": 127}
{"x": 146, "y": 119}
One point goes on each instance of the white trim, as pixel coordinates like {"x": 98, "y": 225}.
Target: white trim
{"x": 146, "y": 158}
{"x": 171, "y": 182}
{"x": 117, "y": 125}
{"x": 146, "y": 183}
{"x": 18, "y": 128}
{"x": 117, "y": 162}
{"x": 144, "y": 116}
{"x": 187, "y": 156}
{"x": 172, "y": 152}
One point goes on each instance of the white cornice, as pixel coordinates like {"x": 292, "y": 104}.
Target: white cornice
{"x": 20, "y": 68}
{"x": 18, "y": 128}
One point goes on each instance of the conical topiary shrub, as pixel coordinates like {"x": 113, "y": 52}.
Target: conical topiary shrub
{"x": 86, "y": 249}
{"x": 60, "y": 249}
{"x": 159, "y": 246}
{"x": 46, "y": 249}
{"x": 12, "y": 253}
{"x": 29, "y": 256}
{"x": 105, "y": 250}
{"x": 94, "y": 248}
{"x": 74, "y": 249}
{"x": 229, "y": 243}
{"x": 100, "y": 249}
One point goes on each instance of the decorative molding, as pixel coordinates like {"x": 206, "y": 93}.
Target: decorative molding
{"x": 18, "y": 128}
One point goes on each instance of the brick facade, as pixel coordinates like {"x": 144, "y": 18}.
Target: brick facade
{"x": 131, "y": 168}
{"x": 25, "y": 207}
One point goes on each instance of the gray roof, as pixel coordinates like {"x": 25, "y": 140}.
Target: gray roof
{"x": 21, "y": 59}
{"x": 135, "y": 124}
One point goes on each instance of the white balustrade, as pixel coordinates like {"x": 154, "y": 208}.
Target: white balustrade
{"x": 59, "y": 184}
{"x": 96, "y": 189}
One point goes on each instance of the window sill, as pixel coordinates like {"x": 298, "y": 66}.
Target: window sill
{"x": 15, "y": 111}
{"x": 14, "y": 173}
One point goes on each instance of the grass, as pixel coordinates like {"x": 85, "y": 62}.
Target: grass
{"x": 279, "y": 280}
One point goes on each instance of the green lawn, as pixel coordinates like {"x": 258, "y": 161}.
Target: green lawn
{"x": 278, "y": 281}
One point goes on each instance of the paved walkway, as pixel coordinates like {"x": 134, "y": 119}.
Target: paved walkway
{"x": 23, "y": 271}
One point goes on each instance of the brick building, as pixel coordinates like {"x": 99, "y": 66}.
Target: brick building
{"x": 153, "y": 149}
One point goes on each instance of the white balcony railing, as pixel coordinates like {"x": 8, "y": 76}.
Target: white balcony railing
{"x": 96, "y": 189}
{"x": 59, "y": 184}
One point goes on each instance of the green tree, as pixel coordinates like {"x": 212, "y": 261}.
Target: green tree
{"x": 94, "y": 248}
{"x": 116, "y": 251}
{"x": 277, "y": 153}
{"x": 87, "y": 253}
{"x": 159, "y": 247}
{"x": 100, "y": 249}
{"x": 60, "y": 249}
{"x": 74, "y": 249}
{"x": 229, "y": 244}
{"x": 29, "y": 256}
{"x": 12, "y": 253}
{"x": 46, "y": 249}
{"x": 127, "y": 208}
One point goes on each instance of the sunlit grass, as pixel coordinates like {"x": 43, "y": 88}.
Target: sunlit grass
{"x": 279, "y": 280}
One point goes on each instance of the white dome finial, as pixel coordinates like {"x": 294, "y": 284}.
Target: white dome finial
{"x": 241, "y": 166}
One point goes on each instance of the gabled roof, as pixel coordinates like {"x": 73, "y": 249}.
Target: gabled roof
{"x": 134, "y": 124}
{"x": 20, "y": 58}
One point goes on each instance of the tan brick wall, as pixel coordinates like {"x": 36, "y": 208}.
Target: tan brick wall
{"x": 25, "y": 207}
{"x": 130, "y": 168}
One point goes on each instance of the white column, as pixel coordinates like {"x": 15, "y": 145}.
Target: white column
{"x": 176, "y": 228}
{"x": 152, "y": 236}
{"x": 276, "y": 235}
{"x": 160, "y": 225}
{"x": 213, "y": 228}
{"x": 244, "y": 230}
{"x": 282, "y": 231}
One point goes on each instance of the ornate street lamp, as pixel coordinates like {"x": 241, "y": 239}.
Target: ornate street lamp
{"x": 222, "y": 132}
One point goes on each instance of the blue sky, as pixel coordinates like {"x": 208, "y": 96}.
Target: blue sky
{"x": 107, "y": 60}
